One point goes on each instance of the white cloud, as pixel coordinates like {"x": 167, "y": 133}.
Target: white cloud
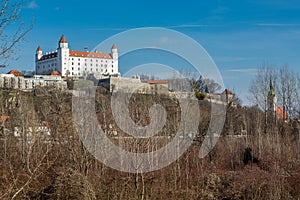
{"x": 250, "y": 71}
{"x": 234, "y": 59}
{"x": 188, "y": 26}
{"x": 32, "y": 5}
{"x": 108, "y": 29}
{"x": 276, "y": 24}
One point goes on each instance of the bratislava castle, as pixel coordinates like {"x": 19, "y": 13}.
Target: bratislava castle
{"x": 76, "y": 63}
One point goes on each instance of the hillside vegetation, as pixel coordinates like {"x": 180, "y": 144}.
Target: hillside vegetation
{"x": 58, "y": 166}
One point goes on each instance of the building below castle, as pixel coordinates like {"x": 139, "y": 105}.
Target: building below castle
{"x": 15, "y": 80}
{"x": 75, "y": 63}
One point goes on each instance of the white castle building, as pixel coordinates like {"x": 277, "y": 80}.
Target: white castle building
{"x": 76, "y": 63}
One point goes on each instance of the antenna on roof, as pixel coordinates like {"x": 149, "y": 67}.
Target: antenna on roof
{"x": 86, "y": 48}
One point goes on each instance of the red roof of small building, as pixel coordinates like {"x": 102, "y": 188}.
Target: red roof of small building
{"x": 281, "y": 114}
{"x": 63, "y": 39}
{"x": 47, "y": 124}
{"x": 15, "y": 72}
{"x": 227, "y": 91}
{"x": 4, "y": 118}
{"x": 90, "y": 54}
{"x": 157, "y": 81}
{"x": 39, "y": 48}
{"x": 55, "y": 73}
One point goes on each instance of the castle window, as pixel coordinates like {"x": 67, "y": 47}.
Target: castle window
{"x": 78, "y": 68}
{"x": 72, "y": 63}
{"x": 78, "y": 63}
{"x": 78, "y": 59}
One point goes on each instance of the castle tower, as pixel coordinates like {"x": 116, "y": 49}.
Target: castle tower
{"x": 39, "y": 53}
{"x": 63, "y": 56}
{"x": 63, "y": 42}
{"x": 272, "y": 100}
{"x": 114, "y": 55}
{"x": 114, "y": 52}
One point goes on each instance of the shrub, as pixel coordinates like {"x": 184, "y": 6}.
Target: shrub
{"x": 200, "y": 95}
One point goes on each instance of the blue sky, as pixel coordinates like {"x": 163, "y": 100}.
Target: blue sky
{"x": 239, "y": 35}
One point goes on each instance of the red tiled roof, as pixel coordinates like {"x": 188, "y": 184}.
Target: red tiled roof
{"x": 90, "y": 54}
{"x": 39, "y": 48}
{"x": 15, "y": 72}
{"x": 157, "y": 82}
{"x": 45, "y": 123}
{"x": 50, "y": 55}
{"x": 281, "y": 114}
{"x": 63, "y": 39}
{"x": 227, "y": 91}
{"x": 55, "y": 73}
{"x": 4, "y": 118}
{"x": 114, "y": 46}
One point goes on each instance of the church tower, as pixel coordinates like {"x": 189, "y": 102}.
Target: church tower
{"x": 272, "y": 100}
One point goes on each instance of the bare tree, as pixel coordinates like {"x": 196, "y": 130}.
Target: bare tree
{"x": 298, "y": 97}
{"x": 10, "y": 15}
{"x": 260, "y": 86}
{"x": 287, "y": 91}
